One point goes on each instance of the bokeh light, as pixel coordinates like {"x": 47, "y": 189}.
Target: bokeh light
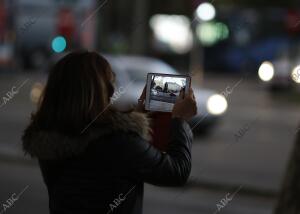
{"x": 266, "y": 71}
{"x": 206, "y": 11}
{"x": 296, "y": 74}
{"x": 217, "y": 104}
{"x": 36, "y": 92}
{"x": 209, "y": 33}
{"x": 59, "y": 44}
{"x": 173, "y": 31}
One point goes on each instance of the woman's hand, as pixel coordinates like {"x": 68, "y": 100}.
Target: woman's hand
{"x": 185, "y": 106}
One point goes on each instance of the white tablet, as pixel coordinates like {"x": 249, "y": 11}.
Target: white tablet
{"x": 163, "y": 89}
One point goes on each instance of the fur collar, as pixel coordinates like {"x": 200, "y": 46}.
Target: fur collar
{"x": 45, "y": 144}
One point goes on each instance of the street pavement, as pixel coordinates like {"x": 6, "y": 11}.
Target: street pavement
{"x": 252, "y": 163}
{"x": 258, "y": 156}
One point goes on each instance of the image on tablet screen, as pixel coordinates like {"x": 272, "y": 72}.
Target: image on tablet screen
{"x": 164, "y": 91}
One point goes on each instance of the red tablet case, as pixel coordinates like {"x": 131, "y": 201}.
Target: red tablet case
{"x": 161, "y": 123}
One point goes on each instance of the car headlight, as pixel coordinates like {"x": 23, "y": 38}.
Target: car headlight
{"x": 295, "y": 75}
{"x": 216, "y": 104}
{"x": 266, "y": 71}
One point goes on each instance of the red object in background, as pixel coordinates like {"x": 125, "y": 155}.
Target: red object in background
{"x": 292, "y": 21}
{"x": 161, "y": 123}
{"x": 3, "y": 17}
{"x": 66, "y": 24}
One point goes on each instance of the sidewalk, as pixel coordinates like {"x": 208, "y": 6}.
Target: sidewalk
{"x": 257, "y": 161}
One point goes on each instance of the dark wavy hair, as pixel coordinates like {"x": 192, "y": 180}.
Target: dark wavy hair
{"x": 79, "y": 88}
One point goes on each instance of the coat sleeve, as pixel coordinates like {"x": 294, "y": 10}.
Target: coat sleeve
{"x": 288, "y": 200}
{"x": 170, "y": 168}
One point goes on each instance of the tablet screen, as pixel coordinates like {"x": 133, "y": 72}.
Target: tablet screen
{"x": 163, "y": 90}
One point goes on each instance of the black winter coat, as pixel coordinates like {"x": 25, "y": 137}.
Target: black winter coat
{"x": 104, "y": 169}
{"x": 289, "y": 197}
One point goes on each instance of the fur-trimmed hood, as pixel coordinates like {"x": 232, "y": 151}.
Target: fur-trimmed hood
{"x": 44, "y": 144}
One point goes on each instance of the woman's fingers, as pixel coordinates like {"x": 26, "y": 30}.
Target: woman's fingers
{"x": 185, "y": 108}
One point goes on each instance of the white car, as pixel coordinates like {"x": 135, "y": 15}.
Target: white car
{"x": 131, "y": 73}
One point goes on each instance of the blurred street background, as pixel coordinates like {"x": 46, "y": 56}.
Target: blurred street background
{"x": 244, "y": 59}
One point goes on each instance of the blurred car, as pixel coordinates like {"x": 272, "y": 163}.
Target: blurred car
{"x": 6, "y": 56}
{"x": 283, "y": 72}
{"x": 131, "y": 73}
